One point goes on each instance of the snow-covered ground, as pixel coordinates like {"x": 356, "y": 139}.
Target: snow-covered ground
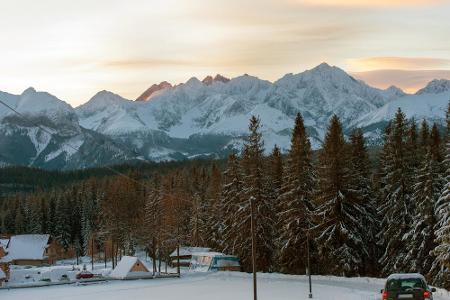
{"x": 202, "y": 286}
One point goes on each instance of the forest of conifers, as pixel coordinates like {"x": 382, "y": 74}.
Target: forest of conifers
{"x": 373, "y": 217}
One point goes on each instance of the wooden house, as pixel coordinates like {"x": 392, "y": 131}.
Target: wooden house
{"x": 27, "y": 249}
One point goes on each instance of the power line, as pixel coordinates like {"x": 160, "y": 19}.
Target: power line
{"x": 67, "y": 144}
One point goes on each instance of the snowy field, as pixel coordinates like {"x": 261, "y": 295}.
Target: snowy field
{"x": 202, "y": 286}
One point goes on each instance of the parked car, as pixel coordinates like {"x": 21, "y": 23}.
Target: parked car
{"x": 84, "y": 275}
{"x": 409, "y": 286}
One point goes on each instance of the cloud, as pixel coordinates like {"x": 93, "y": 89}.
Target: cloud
{"x": 138, "y": 63}
{"x": 398, "y": 63}
{"x": 366, "y": 3}
{"x": 408, "y": 80}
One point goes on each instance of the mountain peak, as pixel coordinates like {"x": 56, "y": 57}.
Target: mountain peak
{"x": 323, "y": 65}
{"x": 30, "y": 90}
{"x": 325, "y": 68}
{"x": 154, "y": 90}
{"x": 435, "y": 86}
{"x": 104, "y": 96}
{"x": 208, "y": 80}
{"x": 192, "y": 81}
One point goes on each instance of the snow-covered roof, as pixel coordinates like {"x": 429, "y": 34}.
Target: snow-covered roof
{"x": 185, "y": 251}
{"x": 27, "y": 246}
{"x": 2, "y": 274}
{"x": 123, "y": 268}
{"x": 405, "y": 276}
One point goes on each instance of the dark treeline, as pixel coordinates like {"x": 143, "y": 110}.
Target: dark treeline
{"x": 360, "y": 219}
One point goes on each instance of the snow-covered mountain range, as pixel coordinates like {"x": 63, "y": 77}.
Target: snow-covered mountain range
{"x": 201, "y": 118}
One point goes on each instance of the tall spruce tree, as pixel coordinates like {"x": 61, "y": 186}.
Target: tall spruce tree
{"x": 296, "y": 201}
{"x": 362, "y": 192}
{"x": 441, "y": 264}
{"x": 214, "y": 213}
{"x": 339, "y": 216}
{"x": 230, "y": 201}
{"x": 420, "y": 239}
{"x": 254, "y": 186}
{"x": 395, "y": 206}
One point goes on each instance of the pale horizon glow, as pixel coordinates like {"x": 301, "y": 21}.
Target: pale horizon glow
{"x": 75, "y": 49}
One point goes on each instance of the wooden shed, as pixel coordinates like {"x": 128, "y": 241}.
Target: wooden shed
{"x": 130, "y": 267}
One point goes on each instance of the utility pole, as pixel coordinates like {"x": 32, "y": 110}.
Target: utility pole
{"x": 308, "y": 269}
{"x": 92, "y": 252}
{"x": 253, "y": 228}
{"x": 178, "y": 259}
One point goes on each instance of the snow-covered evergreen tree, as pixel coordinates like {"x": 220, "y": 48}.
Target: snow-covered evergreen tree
{"x": 395, "y": 206}
{"x": 229, "y": 204}
{"x": 212, "y": 232}
{"x": 254, "y": 185}
{"x": 362, "y": 191}
{"x": 420, "y": 239}
{"x": 441, "y": 264}
{"x": 62, "y": 227}
{"x": 296, "y": 201}
{"x": 339, "y": 216}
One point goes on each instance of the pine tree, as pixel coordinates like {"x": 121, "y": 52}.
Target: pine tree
{"x": 254, "y": 185}
{"x": 436, "y": 144}
{"x": 339, "y": 224}
{"x": 231, "y": 197}
{"x": 19, "y": 221}
{"x": 395, "y": 207}
{"x": 362, "y": 192}
{"x": 296, "y": 201}
{"x": 62, "y": 226}
{"x": 153, "y": 217}
{"x": 420, "y": 239}
{"x": 214, "y": 215}
{"x": 441, "y": 264}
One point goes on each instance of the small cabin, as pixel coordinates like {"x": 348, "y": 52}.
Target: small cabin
{"x": 214, "y": 261}
{"x": 185, "y": 255}
{"x": 130, "y": 267}
{"x": 27, "y": 249}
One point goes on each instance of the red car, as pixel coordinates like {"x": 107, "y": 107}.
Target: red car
{"x": 84, "y": 275}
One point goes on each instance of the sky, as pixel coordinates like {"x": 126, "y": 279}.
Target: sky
{"x": 74, "y": 49}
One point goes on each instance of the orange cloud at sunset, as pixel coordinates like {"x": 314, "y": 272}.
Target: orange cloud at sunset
{"x": 362, "y": 3}
{"x": 398, "y": 63}
{"x": 408, "y": 80}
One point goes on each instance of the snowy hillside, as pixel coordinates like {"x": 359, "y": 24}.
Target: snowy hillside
{"x": 429, "y": 104}
{"x": 58, "y": 142}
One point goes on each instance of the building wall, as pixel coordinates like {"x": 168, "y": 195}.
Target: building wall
{"x": 5, "y": 268}
{"x": 139, "y": 267}
{"x": 55, "y": 252}
{"x": 30, "y": 262}
{"x": 2, "y": 252}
